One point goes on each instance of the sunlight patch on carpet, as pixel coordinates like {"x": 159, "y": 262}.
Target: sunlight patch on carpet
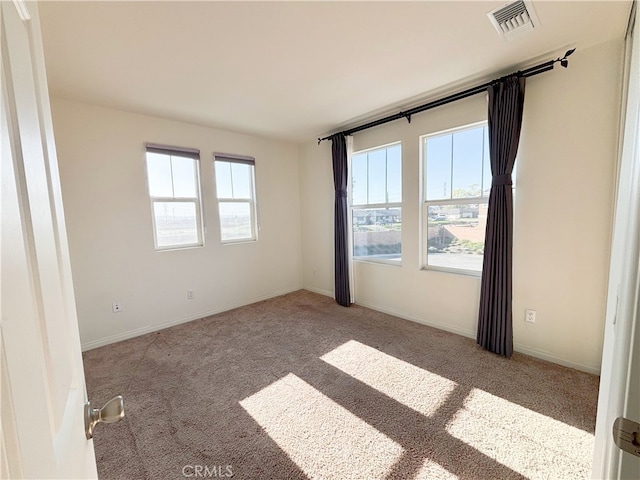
{"x": 323, "y": 438}
{"x": 528, "y": 442}
{"x": 412, "y": 386}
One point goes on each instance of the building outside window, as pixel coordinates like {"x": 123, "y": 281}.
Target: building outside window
{"x": 376, "y": 204}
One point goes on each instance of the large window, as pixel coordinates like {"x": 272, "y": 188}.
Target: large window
{"x": 173, "y": 180}
{"x": 235, "y": 186}
{"x": 457, "y": 183}
{"x": 376, "y": 199}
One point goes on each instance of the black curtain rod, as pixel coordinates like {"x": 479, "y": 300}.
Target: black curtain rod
{"x": 529, "y": 72}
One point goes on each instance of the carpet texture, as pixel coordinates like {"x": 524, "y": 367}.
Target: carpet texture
{"x": 298, "y": 387}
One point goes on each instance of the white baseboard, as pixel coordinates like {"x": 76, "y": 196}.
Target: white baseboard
{"x": 549, "y": 357}
{"x": 321, "y": 291}
{"x": 532, "y": 352}
{"x": 439, "y": 326}
{"x": 118, "y": 337}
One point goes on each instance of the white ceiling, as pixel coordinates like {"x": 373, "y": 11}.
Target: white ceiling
{"x": 294, "y": 70}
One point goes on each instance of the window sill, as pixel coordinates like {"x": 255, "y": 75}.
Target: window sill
{"x": 239, "y": 241}
{"x": 378, "y": 261}
{"x": 455, "y": 271}
{"x": 181, "y": 247}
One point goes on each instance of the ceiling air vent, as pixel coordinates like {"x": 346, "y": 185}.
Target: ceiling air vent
{"x": 513, "y": 19}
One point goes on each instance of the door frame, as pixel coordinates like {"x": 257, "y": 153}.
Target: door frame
{"x": 42, "y": 381}
{"x": 621, "y": 321}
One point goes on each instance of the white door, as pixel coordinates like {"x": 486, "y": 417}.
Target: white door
{"x": 43, "y": 390}
{"x": 620, "y": 378}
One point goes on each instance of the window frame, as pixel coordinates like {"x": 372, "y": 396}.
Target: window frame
{"x": 183, "y": 152}
{"x": 425, "y": 204}
{"x": 252, "y": 201}
{"x": 366, "y": 206}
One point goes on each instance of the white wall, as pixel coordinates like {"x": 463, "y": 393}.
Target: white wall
{"x": 563, "y": 215}
{"x": 102, "y": 167}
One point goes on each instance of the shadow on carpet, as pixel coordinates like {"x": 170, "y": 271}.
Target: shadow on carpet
{"x": 298, "y": 387}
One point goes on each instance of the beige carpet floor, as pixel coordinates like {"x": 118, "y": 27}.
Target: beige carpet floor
{"x": 298, "y": 387}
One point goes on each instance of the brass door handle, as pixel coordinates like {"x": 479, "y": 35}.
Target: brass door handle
{"x": 111, "y": 412}
{"x": 626, "y": 435}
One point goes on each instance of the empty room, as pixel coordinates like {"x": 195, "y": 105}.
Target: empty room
{"x": 320, "y": 240}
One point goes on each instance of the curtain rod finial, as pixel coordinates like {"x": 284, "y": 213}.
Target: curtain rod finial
{"x": 563, "y": 61}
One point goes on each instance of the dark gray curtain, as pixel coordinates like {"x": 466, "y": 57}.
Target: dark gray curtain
{"x": 506, "y": 101}
{"x": 341, "y": 229}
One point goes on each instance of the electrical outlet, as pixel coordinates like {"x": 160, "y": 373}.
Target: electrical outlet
{"x": 190, "y": 295}
{"x": 116, "y": 307}
{"x": 530, "y": 316}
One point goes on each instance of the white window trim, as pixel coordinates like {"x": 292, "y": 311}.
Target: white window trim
{"x": 425, "y": 204}
{"x": 253, "y": 206}
{"x": 200, "y": 226}
{"x": 366, "y": 259}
